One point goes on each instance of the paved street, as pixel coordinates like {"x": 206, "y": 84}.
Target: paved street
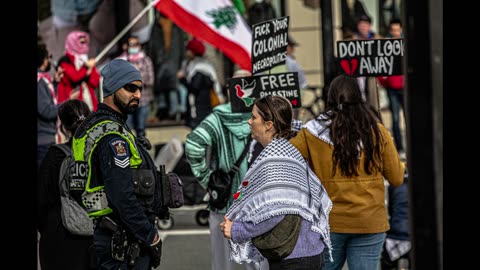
{"x": 187, "y": 245}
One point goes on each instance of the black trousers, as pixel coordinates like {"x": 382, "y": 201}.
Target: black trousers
{"x": 303, "y": 263}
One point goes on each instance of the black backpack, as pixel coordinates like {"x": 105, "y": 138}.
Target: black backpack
{"x": 219, "y": 186}
{"x": 220, "y": 182}
{"x": 171, "y": 188}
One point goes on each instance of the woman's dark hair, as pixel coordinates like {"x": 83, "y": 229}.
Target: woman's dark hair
{"x": 353, "y": 127}
{"x": 278, "y": 110}
{"x": 71, "y": 113}
{"x": 42, "y": 53}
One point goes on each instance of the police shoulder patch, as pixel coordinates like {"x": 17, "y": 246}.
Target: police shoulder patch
{"x": 120, "y": 152}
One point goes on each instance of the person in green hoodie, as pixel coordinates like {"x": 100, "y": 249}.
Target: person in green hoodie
{"x": 224, "y": 134}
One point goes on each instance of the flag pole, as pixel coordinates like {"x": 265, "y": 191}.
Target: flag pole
{"x": 124, "y": 31}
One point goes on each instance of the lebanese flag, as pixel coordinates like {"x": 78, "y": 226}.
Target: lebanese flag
{"x": 217, "y": 22}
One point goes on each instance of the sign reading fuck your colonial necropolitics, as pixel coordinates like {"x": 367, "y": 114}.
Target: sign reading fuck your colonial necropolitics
{"x": 269, "y": 46}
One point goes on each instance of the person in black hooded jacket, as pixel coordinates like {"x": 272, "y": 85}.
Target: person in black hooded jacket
{"x": 58, "y": 248}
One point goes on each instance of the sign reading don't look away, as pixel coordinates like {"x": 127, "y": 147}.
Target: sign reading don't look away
{"x": 374, "y": 57}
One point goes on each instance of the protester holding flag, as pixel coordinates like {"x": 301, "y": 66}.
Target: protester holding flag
{"x": 81, "y": 76}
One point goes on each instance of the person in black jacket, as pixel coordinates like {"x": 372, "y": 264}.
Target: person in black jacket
{"x": 396, "y": 249}
{"x": 352, "y": 10}
{"x": 260, "y": 11}
{"x": 58, "y": 248}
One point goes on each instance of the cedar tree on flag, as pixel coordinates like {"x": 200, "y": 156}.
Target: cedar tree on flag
{"x": 217, "y": 22}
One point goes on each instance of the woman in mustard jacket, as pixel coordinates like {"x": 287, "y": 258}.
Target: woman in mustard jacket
{"x": 352, "y": 153}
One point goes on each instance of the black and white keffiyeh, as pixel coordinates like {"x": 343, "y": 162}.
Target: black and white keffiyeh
{"x": 397, "y": 248}
{"x": 279, "y": 182}
{"x": 319, "y": 128}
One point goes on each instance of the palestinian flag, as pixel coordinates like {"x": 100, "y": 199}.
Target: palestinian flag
{"x": 216, "y": 22}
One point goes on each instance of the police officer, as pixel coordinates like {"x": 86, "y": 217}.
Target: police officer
{"x": 118, "y": 176}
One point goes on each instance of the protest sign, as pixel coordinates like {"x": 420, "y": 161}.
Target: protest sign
{"x": 269, "y": 44}
{"x": 374, "y": 57}
{"x": 244, "y": 90}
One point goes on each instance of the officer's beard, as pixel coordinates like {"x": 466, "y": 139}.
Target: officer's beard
{"x": 126, "y": 108}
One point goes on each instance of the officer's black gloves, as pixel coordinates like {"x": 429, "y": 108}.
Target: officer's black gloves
{"x": 156, "y": 252}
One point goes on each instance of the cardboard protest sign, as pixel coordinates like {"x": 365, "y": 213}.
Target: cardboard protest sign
{"x": 374, "y": 57}
{"x": 243, "y": 91}
{"x": 269, "y": 44}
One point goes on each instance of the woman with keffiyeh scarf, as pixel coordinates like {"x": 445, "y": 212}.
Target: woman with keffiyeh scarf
{"x": 79, "y": 71}
{"x": 278, "y": 183}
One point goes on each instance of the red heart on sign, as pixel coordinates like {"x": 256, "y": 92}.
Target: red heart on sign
{"x": 349, "y": 66}
{"x": 294, "y": 102}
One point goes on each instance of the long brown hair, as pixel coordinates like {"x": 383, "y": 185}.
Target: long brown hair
{"x": 353, "y": 128}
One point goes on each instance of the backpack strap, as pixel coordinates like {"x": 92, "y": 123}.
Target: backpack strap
{"x": 236, "y": 166}
{"x": 64, "y": 147}
{"x": 61, "y": 179}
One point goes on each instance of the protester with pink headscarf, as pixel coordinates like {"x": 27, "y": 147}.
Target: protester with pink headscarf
{"x": 81, "y": 77}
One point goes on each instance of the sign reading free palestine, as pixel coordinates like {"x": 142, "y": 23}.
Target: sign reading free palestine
{"x": 244, "y": 90}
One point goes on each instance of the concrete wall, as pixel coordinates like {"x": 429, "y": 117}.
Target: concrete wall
{"x": 306, "y": 30}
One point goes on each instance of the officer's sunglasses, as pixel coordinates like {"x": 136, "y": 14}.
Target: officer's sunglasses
{"x": 132, "y": 88}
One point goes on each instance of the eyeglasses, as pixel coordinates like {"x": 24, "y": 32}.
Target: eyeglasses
{"x": 132, "y": 88}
